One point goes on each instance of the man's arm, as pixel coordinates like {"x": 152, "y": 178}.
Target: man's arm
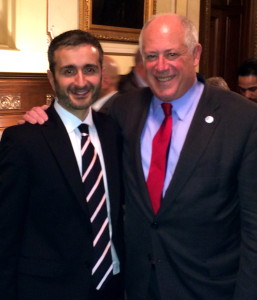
{"x": 36, "y": 115}
{"x": 14, "y": 193}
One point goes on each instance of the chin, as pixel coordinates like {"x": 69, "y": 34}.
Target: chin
{"x": 165, "y": 97}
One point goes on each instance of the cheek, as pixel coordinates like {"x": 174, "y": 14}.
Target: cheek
{"x": 149, "y": 66}
{"x": 62, "y": 82}
{"x": 95, "y": 80}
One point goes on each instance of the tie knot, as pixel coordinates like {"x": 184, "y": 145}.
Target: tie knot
{"x": 83, "y": 128}
{"x": 166, "y": 107}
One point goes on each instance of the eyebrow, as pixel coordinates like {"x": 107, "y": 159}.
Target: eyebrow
{"x": 74, "y": 66}
{"x": 67, "y": 66}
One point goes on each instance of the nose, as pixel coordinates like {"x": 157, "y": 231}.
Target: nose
{"x": 80, "y": 79}
{"x": 161, "y": 63}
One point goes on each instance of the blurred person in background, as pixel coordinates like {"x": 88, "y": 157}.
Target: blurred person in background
{"x": 109, "y": 85}
{"x": 218, "y": 82}
{"x": 135, "y": 78}
{"x": 247, "y": 79}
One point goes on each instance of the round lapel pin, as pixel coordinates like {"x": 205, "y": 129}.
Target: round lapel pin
{"x": 209, "y": 119}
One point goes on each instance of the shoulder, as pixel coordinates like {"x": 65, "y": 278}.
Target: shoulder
{"x": 127, "y": 82}
{"x": 103, "y": 121}
{"x": 230, "y": 106}
{"x": 125, "y": 78}
{"x": 20, "y": 132}
{"x": 133, "y": 97}
{"x": 20, "y": 141}
{"x": 28, "y": 133}
{"x": 22, "y": 138}
{"x": 227, "y": 98}
{"x": 133, "y": 100}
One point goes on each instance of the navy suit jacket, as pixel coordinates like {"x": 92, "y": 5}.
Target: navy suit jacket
{"x": 46, "y": 236}
{"x": 203, "y": 240}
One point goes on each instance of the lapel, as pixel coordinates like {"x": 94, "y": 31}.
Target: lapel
{"x": 199, "y": 134}
{"x": 139, "y": 118}
{"x": 58, "y": 140}
{"x": 109, "y": 143}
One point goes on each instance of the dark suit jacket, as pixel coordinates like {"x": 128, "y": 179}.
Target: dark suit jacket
{"x": 107, "y": 105}
{"x": 46, "y": 238}
{"x": 203, "y": 240}
{"x": 128, "y": 83}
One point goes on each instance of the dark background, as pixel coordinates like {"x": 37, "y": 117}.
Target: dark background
{"x": 118, "y": 13}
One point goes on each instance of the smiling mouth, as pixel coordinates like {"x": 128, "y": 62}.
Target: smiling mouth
{"x": 80, "y": 93}
{"x": 164, "y": 79}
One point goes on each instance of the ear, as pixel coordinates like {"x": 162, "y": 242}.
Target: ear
{"x": 197, "y": 54}
{"x": 50, "y": 77}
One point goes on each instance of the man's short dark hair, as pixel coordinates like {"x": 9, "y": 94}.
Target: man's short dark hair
{"x": 248, "y": 67}
{"x": 73, "y": 38}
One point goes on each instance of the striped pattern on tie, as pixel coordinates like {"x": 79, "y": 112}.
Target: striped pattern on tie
{"x": 92, "y": 177}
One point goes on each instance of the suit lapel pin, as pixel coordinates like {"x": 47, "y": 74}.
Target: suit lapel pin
{"x": 209, "y": 119}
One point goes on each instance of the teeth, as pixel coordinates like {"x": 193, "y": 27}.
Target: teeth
{"x": 80, "y": 92}
{"x": 164, "y": 78}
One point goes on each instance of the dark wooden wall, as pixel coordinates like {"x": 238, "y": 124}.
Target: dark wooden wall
{"x": 228, "y": 33}
{"x": 19, "y": 92}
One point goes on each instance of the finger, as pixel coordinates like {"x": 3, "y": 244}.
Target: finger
{"x": 36, "y": 115}
{"x": 39, "y": 112}
{"x": 20, "y": 122}
{"x": 45, "y": 107}
{"x": 28, "y": 117}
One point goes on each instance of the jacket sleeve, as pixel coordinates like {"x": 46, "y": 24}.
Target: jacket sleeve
{"x": 14, "y": 188}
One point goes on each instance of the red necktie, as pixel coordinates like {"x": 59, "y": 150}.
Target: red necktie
{"x": 160, "y": 146}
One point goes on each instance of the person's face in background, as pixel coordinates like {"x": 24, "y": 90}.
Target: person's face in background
{"x": 169, "y": 63}
{"x": 110, "y": 76}
{"x": 77, "y": 78}
{"x": 248, "y": 87}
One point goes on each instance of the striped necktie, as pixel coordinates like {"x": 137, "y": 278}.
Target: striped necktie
{"x": 92, "y": 177}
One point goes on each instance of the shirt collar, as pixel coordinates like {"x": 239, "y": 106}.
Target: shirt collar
{"x": 101, "y": 101}
{"x": 69, "y": 120}
{"x": 182, "y": 105}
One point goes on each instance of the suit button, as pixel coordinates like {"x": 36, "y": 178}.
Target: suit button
{"x": 155, "y": 225}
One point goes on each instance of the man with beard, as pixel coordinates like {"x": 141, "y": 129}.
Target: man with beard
{"x": 54, "y": 244}
{"x": 189, "y": 164}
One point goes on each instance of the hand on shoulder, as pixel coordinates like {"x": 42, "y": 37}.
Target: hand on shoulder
{"x": 36, "y": 115}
